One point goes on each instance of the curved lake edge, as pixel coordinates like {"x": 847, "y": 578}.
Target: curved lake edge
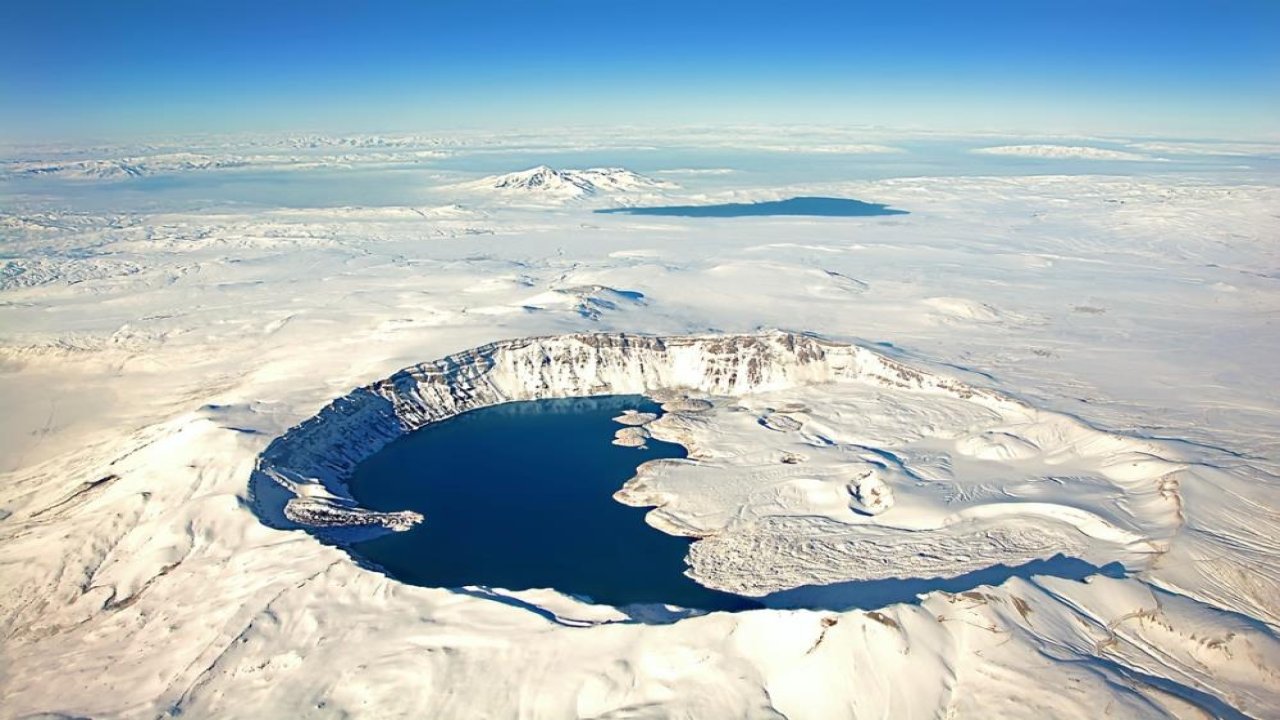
{"x": 298, "y": 483}
{"x": 523, "y": 496}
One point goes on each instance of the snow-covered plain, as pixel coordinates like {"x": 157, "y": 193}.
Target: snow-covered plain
{"x": 1028, "y": 380}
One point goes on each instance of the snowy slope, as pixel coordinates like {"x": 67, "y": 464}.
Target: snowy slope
{"x": 1071, "y": 377}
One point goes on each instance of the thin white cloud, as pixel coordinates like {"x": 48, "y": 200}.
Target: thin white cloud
{"x": 1211, "y": 148}
{"x": 696, "y": 171}
{"x": 1065, "y": 152}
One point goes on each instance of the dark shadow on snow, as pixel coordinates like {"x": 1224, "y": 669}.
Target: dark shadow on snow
{"x": 872, "y": 594}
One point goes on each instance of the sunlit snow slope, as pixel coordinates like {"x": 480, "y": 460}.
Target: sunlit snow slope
{"x": 1015, "y": 454}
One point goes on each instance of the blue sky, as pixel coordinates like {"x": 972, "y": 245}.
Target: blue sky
{"x": 127, "y": 68}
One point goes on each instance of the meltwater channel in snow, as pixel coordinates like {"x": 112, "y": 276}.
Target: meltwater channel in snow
{"x": 520, "y": 496}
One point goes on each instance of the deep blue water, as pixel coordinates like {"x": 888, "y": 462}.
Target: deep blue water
{"x": 804, "y": 206}
{"x": 520, "y": 496}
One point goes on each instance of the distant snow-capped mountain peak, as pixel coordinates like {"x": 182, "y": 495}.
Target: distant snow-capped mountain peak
{"x": 549, "y": 182}
{"x": 542, "y": 177}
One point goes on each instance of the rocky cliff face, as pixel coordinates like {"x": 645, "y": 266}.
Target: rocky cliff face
{"x": 312, "y": 461}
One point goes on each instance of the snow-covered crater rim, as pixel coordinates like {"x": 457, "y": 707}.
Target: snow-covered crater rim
{"x": 300, "y": 479}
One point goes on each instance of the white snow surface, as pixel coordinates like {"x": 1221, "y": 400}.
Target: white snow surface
{"x": 1024, "y": 367}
